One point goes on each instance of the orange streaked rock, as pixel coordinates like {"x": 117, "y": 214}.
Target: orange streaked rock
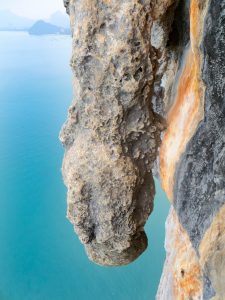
{"x": 187, "y": 110}
{"x": 183, "y": 120}
{"x": 194, "y": 22}
{"x": 182, "y": 275}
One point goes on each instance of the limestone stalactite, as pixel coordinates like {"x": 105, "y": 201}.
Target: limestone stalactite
{"x": 112, "y": 134}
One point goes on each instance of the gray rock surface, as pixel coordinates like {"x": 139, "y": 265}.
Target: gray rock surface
{"x": 200, "y": 180}
{"x": 200, "y": 175}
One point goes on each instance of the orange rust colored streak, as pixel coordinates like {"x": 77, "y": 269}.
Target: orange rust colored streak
{"x": 188, "y": 285}
{"x": 186, "y": 113}
{"x": 182, "y": 271}
{"x": 194, "y": 23}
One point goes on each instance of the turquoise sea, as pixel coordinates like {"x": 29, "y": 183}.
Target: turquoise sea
{"x": 40, "y": 256}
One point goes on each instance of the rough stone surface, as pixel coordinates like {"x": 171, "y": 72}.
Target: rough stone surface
{"x": 112, "y": 134}
{"x": 200, "y": 180}
{"x": 182, "y": 274}
{"x": 197, "y": 188}
{"x": 212, "y": 257}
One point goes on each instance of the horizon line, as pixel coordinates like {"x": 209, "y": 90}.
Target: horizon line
{"x": 33, "y": 18}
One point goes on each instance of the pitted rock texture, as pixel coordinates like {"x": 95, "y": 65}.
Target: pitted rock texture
{"x": 112, "y": 134}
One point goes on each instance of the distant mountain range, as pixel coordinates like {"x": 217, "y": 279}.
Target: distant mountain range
{"x": 42, "y": 28}
{"x": 58, "y": 23}
{"x": 10, "y": 21}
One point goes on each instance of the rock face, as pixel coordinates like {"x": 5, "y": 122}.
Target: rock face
{"x": 192, "y": 160}
{"x": 149, "y": 74}
{"x": 182, "y": 275}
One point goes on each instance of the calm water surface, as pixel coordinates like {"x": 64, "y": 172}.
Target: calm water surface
{"x": 40, "y": 256}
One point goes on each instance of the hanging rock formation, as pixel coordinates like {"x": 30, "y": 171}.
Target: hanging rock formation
{"x": 112, "y": 134}
{"x": 149, "y": 79}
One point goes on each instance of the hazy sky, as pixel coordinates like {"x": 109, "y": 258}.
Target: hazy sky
{"x": 32, "y": 8}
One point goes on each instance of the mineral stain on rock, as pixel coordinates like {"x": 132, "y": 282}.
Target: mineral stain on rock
{"x": 196, "y": 183}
